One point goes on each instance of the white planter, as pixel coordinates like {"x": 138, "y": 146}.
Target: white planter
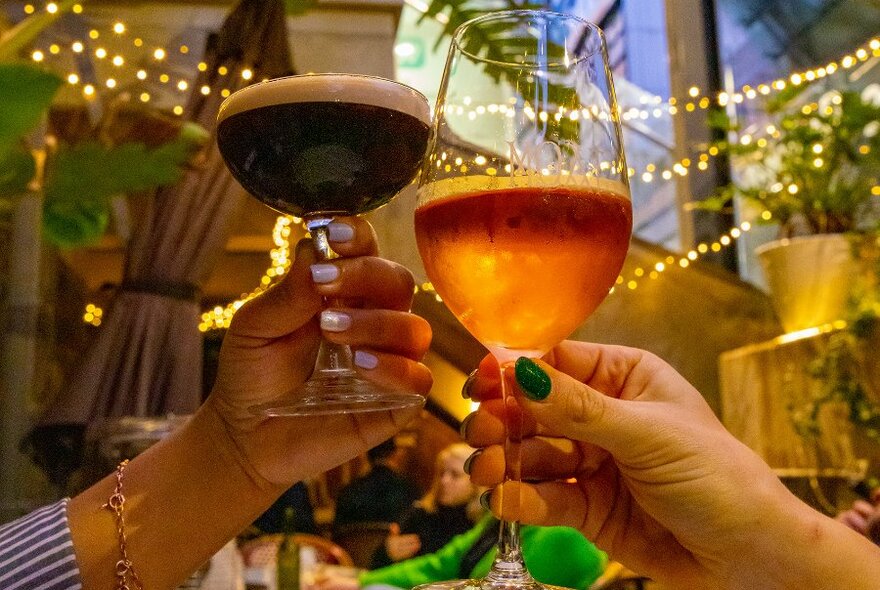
{"x": 809, "y": 278}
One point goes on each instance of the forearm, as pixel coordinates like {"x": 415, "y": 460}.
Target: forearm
{"x": 185, "y": 498}
{"x": 797, "y": 547}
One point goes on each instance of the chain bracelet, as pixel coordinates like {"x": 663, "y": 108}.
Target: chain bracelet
{"x": 126, "y": 577}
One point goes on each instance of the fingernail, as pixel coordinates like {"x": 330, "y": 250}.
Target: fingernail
{"x": 466, "y": 388}
{"x": 340, "y": 232}
{"x": 365, "y": 360}
{"x": 532, "y": 379}
{"x": 335, "y": 321}
{"x": 485, "y": 497}
{"x": 469, "y": 461}
{"x": 462, "y": 429}
{"x": 324, "y": 273}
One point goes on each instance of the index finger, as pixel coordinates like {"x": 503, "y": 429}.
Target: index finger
{"x": 352, "y": 236}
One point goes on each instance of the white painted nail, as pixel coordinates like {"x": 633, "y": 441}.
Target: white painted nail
{"x": 324, "y": 273}
{"x": 340, "y": 232}
{"x": 335, "y": 321}
{"x": 365, "y": 360}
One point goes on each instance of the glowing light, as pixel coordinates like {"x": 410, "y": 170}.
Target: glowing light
{"x": 142, "y": 75}
{"x": 182, "y": 85}
{"x": 111, "y": 83}
{"x": 72, "y": 79}
{"x": 54, "y": 49}
{"x": 119, "y": 28}
{"x": 37, "y": 56}
{"x": 100, "y": 53}
{"x": 118, "y": 61}
{"x": 178, "y": 110}
{"x": 247, "y": 74}
{"x": 77, "y": 47}
{"x": 206, "y": 90}
{"x": 51, "y": 8}
{"x": 77, "y": 9}
{"x": 93, "y": 34}
{"x": 29, "y": 9}
{"x": 145, "y": 97}
{"x": 159, "y": 54}
{"x": 88, "y": 90}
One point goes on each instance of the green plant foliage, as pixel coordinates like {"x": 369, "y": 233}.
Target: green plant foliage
{"x": 843, "y": 368}
{"x": 25, "y": 94}
{"x": 85, "y": 177}
{"x": 17, "y": 168}
{"x": 816, "y": 172}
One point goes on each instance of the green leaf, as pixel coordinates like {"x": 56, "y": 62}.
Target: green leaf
{"x": 83, "y": 178}
{"x": 25, "y": 94}
{"x": 72, "y": 222}
{"x": 17, "y": 168}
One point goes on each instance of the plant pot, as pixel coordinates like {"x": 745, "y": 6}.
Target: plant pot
{"x": 809, "y": 277}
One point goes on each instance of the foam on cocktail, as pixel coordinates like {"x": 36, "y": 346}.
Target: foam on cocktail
{"x": 340, "y": 88}
{"x": 458, "y": 185}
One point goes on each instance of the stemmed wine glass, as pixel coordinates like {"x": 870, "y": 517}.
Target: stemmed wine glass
{"x": 316, "y": 146}
{"x": 523, "y": 217}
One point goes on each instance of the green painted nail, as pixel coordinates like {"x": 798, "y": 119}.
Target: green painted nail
{"x": 534, "y": 382}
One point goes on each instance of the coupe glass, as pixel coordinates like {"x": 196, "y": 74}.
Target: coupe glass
{"x": 523, "y": 217}
{"x": 317, "y": 146}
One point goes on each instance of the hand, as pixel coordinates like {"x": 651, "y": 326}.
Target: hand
{"x": 271, "y": 347}
{"x": 400, "y": 547}
{"x": 857, "y": 516}
{"x": 657, "y": 480}
{"x": 332, "y": 581}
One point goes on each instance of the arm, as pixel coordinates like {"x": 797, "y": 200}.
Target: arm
{"x": 191, "y": 493}
{"x": 621, "y": 447}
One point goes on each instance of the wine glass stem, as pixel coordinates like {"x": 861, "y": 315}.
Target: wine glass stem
{"x": 334, "y": 360}
{"x": 509, "y": 567}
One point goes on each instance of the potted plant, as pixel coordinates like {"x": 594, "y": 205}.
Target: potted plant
{"x": 814, "y": 171}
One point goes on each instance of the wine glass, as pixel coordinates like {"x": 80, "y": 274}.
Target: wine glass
{"x": 316, "y": 146}
{"x": 523, "y": 216}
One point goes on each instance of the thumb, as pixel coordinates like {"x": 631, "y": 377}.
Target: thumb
{"x": 285, "y": 307}
{"x": 564, "y": 406}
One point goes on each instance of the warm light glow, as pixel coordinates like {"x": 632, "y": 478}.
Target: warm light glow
{"x": 142, "y": 74}
{"x": 111, "y": 83}
{"x": 182, "y": 85}
{"x": 118, "y": 61}
{"x": 51, "y": 8}
{"x": 163, "y": 78}
{"x": 145, "y": 97}
{"x": 206, "y": 90}
{"x": 72, "y": 79}
{"x": 29, "y": 9}
{"x": 184, "y": 49}
{"x": 203, "y": 66}
{"x": 37, "y": 55}
{"x": 159, "y": 54}
{"x": 100, "y": 53}
{"x": 88, "y": 90}
{"x": 54, "y": 49}
{"x": 138, "y": 42}
{"x": 77, "y": 9}
{"x": 93, "y": 34}
{"x": 119, "y": 28}
{"x": 247, "y": 74}
{"x": 77, "y": 47}
{"x": 222, "y": 70}
{"x": 694, "y": 92}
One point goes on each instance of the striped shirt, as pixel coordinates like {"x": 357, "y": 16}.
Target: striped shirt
{"x": 36, "y": 552}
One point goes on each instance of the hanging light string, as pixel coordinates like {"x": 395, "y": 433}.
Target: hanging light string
{"x": 654, "y": 107}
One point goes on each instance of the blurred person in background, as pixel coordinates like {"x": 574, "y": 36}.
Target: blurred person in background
{"x": 449, "y": 508}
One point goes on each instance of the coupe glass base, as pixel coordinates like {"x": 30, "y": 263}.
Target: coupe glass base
{"x": 343, "y": 393}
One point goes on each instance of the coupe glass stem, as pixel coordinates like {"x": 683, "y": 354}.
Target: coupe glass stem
{"x": 334, "y": 360}
{"x": 509, "y": 569}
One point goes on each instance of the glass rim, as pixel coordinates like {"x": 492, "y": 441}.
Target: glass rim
{"x": 502, "y": 14}
{"x": 263, "y": 83}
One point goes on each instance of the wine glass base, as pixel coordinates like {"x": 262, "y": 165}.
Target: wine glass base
{"x": 487, "y": 584}
{"x": 338, "y": 394}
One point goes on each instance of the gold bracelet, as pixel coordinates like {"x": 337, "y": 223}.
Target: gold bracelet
{"x": 126, "y": 577}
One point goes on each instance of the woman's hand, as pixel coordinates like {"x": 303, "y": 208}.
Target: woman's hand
{"x": 400, "y": 547}
{"x": 271, "y": 346}
{"x": 620, "y": 446}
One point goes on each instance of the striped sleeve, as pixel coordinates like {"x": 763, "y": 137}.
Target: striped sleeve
{"x": 36, "y": 552}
